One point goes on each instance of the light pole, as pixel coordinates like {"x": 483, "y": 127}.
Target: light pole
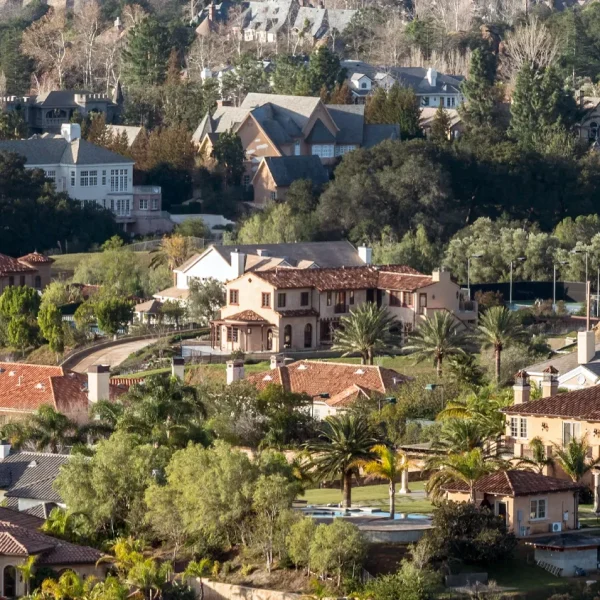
{"x": 520, "y": 259}
{"x": 476, "y": 255}
{"x": 561, "y": 262}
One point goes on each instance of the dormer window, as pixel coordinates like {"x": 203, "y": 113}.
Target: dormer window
{"x": 363, "y": 85}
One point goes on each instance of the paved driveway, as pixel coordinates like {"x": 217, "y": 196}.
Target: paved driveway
{"x": 112, "y": 356}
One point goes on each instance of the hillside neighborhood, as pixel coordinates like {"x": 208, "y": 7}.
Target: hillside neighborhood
{"x": 299, "y": 300}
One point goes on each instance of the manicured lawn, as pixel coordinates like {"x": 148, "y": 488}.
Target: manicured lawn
{"x": 203, "y": 373}
{"x": 373, "y": 495}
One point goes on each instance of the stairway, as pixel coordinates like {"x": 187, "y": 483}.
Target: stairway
{"x": 556, "y": 571}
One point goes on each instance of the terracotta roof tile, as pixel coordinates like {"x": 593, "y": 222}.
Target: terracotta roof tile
{"x": 22, "y": 519}
{"x": 298, "y": 312}
{"x": 394, "y": 277}
{"x": 315, "y": 378}
{"x": 515, "y": 483}
{"x": 9, "y": 265}
{"x": 36, "y": 258}
{"x": 580, "y": 404}
{"x": 348, "y": 396}
{"x": 248, "y": 316}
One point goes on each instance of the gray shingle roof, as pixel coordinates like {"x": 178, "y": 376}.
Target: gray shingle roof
{"x": 319, "y": 134}
{"x": 56, "y": 150}
{"x": 350, "y": 118}
{"x": 287, "y": 169}
{"x": 61, "y": 99}
{"x": 375, "y": 134}
{"x": 563, "y": 363}
{"x": 31, "y": 475}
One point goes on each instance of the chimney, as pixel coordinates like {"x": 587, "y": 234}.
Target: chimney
{"x": 440, "y": 275}
{"x": 365, "y": 254}
{"x": 4, "y": 450}
{"x": 277, "y": 360}
{"x": 586, "y": 347}
{"x": 178, "y": 367}
{"x": 431, "y": 76}
{"x": 549, "y": 382}
{"x": 98, "y": 383}
{"x": 118, "y": 24}
{"x": 211, "y": 11}
{"x": 238, "y": 261}
{"x": 235, "y": 370}
{"x": 521, "y": 388}
{"x": 70, "y": 131}
{"x": 221, "y": 103}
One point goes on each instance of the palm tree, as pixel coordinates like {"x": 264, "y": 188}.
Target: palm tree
{"x": 498, "y": 329}
{"x": 344, "y": 443}
{"x": 26, "y": 570}
{"x": 574, "y": 459}
{"x": 460, "y": 435}
{"x": 197, "y": 570}
{"x": 388, "y": 464}
{"x": 467, "y": 467}
{"x": 46, "y": 430}
{"x": 173, "y": 251}
{"x": 539, "y": 459}
{"x": 438, "y": 337}
{"x": 366, "y": 331}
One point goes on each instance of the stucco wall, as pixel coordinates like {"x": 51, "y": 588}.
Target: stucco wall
{"x": 224, "y": 591}
{"x": 568, "y": 560}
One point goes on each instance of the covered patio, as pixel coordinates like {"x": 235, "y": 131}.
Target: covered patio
{"x": 245, "y": 331}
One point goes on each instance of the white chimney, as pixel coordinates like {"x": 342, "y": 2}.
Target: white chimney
{"x": 439, "y": 275}
{"x": 235, "y": 370}
{"x": 365, "y": 254}
{"x": 118, "y": 23}
{"x": 70, "y": 131}
{"x": 238, "y": 261}
{"x": 178, "y": 367}
{"x": 277, "y": 360}
{"x": 4, "y": 450}
{"x": 431, "y": 76}
{"x": 98, "y": 383}
{"x": 586, "y": 347}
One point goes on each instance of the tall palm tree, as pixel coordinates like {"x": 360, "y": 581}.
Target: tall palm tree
{"x": 173, "y": 251}
{"x": 388, "y": 464}
{"x": 437, "y": 338}
{"x": 467, "y": 467}
{"x": 460, "y": 435}
{"x": 365, "y": 330}
{"x": 539, "y": 459}
{"x": 26, "y": 570}
{"x": 344, "y": 444}
{"x": 574, "y": 459}
{"x": 46, "y": 430}
{"x": 498, "y": 329}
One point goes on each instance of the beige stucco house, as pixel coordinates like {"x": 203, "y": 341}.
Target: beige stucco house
{"x": 32, "y": 270}
{"x": 293, "y": 309}
{"x": 529, "y": 502}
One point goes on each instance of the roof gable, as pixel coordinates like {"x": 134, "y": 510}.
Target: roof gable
{"x": 286, "y": 169}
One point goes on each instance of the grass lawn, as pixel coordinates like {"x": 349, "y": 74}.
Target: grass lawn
{"x": 203, "y": 373}
{"x": 587, "y": 516}
{"x": 65, "y": 264}
{"x": 373, "y": 495}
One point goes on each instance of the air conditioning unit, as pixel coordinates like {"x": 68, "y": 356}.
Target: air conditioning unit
{"x": 556, "y": 527}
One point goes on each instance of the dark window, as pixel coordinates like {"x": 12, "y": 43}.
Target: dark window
{"x": 22, "y": 280}
{"x": 303, "y": 298}
{"x": 266, "y": 300}
{"x": 351, "y": 297}
{"x": 11, "y": 281}
{"x": 270, "y": 339}
{"x": 328, "y": 298}
{"x": 281, "y": 300}
{"x": 422, "y": 303}
{"x": 308, "y": 335}
{"x": 287, "y": 336}
{"x": 408, "y": 298}
{"x": 235, "y": 334}
{"x": 395, "y": 299}
{"x": 340, "y": 302}
{"x": 10, "y": 581}
{"x": 38, "y": 282}
{"x": 325, "y": 331}
{"x": 234, "y": 297}
{"x": 229, "y": 334}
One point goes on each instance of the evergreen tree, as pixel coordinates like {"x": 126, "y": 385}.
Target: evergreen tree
{"x": 399, "y": 105}
{"x": 147, "y": 54}
{"x": 324, "y": 70}
{"x": 440, "y": 127}
{"x": 248, "y": 75}
{"x": 229, "y": 154}
{"x": 341, "y": 94}
{"x": 481, "y": 107}
{"x": 16, "y": 67}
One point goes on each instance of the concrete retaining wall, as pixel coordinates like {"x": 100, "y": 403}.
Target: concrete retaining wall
{"x": 214, "y": 590}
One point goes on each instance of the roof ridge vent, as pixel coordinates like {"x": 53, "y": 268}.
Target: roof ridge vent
{"x": 359, "y": 372}
{"x": 302, "y": 367}
{"x": 32, "y": 464}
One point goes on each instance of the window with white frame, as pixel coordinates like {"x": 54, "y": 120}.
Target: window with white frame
{"x": 143, "y": 203}
{"x": 297, "y": 149}
{"x": 518, "y": 427}
{"x": 84, "y": 178}
{"x": 103, "y": 177}
{"x": 570, "y": 431}
{"x": 51, "y": 175}
{"x": 72, "y": 178}
{"x": 341, "y": 150}
{"x": 118, "y": 180}
{"x": 93, "y": 178}
{"x": 273, "y": 195}
{"x": 323, "y": 150}
{"x": 155, "y": 204}
{"x": 537, "y": 509}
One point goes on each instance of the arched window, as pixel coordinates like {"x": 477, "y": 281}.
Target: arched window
{"x": 287, "y": 336}
{"x": 10, "y": 581}
{"x": 593, "y": 131}
{"x": 38, "y": 282}
{"x": 270, "y": 339}
{"x": 308, "y": 335}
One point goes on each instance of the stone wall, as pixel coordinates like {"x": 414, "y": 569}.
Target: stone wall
{"x": 214, "y": 590}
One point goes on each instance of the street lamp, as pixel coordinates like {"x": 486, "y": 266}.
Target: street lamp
{"x": 561, "y": 262}
{"x": 586, "y": 252}
{"x": 520, "y": 259}
{"x": 476, "y": 255}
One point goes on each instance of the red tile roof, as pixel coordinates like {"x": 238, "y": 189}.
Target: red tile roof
{"x": 339, "y": 380}
{"x": 298, "y": 312}
{"x": 387, "y": 277}
{"x": 9, "y": 265}
{"x": 36, "y": 258}
{"x": 515, "y": 483}
{"x": 27, "y": 387}
{"x": 580, "y": 404}
{"x": 247, "y": 316}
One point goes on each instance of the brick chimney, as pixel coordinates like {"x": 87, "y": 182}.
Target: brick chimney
{"x": 235, "y": 370}
{"x": 98, "y": 383}
{"x": 549, "y": 382}
{"x": 521, "y": 388}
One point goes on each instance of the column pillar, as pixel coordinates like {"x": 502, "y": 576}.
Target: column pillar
{"x": 518, "y": 450}
{"x": 596, "y": 475}
{"x": 404, "y": 483}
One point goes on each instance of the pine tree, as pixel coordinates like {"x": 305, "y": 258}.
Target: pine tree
{"x": 16, "y": 66}
{"x": 173, "y": 68}
{"x": 375, "y": 110}
{"x": 147, "y": 54}
{"x": 341, "y": 94}
{"x": 481, "y": 106}
{"x": 440, "y": 127}
{"x": 400, "y": 106}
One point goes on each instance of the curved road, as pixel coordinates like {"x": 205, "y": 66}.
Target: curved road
{"x": 112, "y": 356}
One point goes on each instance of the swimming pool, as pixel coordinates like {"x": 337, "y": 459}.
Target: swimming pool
{"x": 327, "y": 512}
